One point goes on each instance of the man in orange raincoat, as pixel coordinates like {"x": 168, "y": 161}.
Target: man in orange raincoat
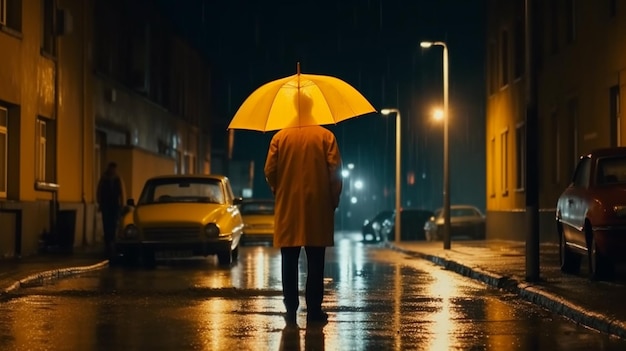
{"x": 303, "y": 170}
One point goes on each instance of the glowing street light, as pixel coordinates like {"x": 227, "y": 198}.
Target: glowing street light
{"x": 446, "y": 161}
{"x": 438, "y": 114}
{"x": 386, "y": 112}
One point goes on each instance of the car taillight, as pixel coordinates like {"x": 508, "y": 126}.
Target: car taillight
{"x": 620, "y": 210}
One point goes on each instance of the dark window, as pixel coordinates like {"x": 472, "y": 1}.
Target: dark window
{"x": 4, "y": 146}
{"x": 554, "y": 26}
{"x": 493, "y": 69}
{"x": 611, "y": 170}
{"x": 571, "y": 20}
{"x": 49, "y": 39}
{"x": 505, "y": 58}
{"x": 612, "y": 8}
{"x": 520, "y": 51}
{"x": 11, "y": 14}
{"x": 614, "y": 110}
{"x": 556, "y": 147}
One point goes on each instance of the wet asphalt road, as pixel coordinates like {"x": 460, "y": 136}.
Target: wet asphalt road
{"x": 377, "y": 299}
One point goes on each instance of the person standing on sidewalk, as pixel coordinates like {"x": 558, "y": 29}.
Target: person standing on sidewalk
{"x": 110, "y": 197}
{"x": 303, "y": 171}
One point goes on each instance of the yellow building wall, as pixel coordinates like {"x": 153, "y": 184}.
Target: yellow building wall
{"x": 135, "y": 166}
{"x": 504, "y": 113}
{"x": 10, "y": 66}
{"x": 74, "y": 123}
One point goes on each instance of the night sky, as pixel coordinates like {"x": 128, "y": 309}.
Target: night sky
{"x": 374, "y": 46}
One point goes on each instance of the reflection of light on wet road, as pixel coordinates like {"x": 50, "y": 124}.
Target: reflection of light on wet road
{"x": 351, "y": 280}
{"x": 397, "y": 304}
{"x": 443, "y": 288}
{"x": 348, "y": 286}
{"x": 263, "y": 270}
{"x": 214, "y": 311}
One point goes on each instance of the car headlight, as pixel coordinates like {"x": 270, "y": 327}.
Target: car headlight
{"x": 212, "y": 230}
{"x": 130, "y": 232}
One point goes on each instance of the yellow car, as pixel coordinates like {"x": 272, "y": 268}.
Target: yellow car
{"x": 258, "y": 220}
{"x": 181, "y": 215}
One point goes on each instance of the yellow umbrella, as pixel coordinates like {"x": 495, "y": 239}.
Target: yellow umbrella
{"x": 300, "y": 100}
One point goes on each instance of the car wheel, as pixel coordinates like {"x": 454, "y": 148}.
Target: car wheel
{"x": 148, "y": 259}
{"x": 570, "y": 261}
{"x": 225, "y": 257}
{"x": 479, "y": 233}
{"x": 600, "y": 267}
{"x": 127, "y": 258}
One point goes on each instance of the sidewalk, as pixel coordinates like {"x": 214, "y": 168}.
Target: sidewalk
{"x": 502, "y": 264}
{"x": 18, "y": 272}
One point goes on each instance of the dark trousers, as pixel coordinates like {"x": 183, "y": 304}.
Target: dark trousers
{"x": 110, "y": 218}
{"x": 314, "y": 293}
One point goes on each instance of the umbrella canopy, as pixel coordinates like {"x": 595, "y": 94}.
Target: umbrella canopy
{"x": 300, "y": 100}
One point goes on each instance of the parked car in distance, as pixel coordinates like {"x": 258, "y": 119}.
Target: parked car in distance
{"x": 411, "y": 223}
{"x": 591, "y": 214}
{"x": 371, "y": 229}
{"x": 181, "y": 215}
{"x": 465, "y": 221}
{"x": 258, "y": 220}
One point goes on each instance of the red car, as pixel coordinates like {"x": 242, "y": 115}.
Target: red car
{"x": 591, "y": 214}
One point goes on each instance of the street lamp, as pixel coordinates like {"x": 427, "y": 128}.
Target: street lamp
{"x": 387, "y": 111}
{"x": 446, "y": 160}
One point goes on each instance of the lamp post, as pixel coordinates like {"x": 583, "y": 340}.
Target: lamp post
{"x": 387, "y": 111}
{"x": 446, "y": 160}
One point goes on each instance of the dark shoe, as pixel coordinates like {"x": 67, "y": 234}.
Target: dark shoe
{"x": 319, "y": 317}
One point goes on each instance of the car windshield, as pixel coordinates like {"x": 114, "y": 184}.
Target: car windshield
{"x": 266, "y": 207}
{"x": 182, "y": 190}
{"x": 611, "y": 170}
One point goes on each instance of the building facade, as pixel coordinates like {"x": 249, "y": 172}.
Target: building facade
{"x": 580, "y": 51}
{"x": 84, "y": 83}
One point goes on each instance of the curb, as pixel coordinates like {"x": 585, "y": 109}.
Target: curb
{"x": 39, "y": 278}
{"x": 530, "y": 293}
